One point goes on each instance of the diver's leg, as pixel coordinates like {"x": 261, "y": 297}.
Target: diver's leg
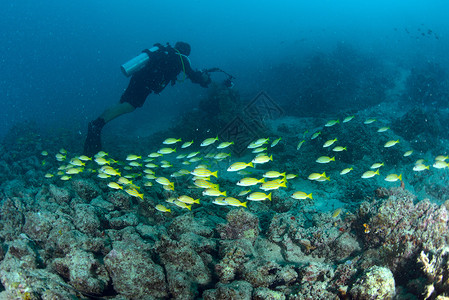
{"x": 93, "y": 140}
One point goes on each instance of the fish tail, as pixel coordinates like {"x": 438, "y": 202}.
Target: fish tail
{"x": 269, "y": 196}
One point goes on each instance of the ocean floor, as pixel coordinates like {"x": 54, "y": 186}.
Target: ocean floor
{"x": 349, "y": 207}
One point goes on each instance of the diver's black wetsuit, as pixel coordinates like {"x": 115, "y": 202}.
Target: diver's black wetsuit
{"x": 163, "y": 67}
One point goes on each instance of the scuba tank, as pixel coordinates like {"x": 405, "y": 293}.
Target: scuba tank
{"x": 137, "y": 63}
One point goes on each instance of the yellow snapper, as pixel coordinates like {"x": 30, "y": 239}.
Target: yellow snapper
{"x": 420, "y": 167}
{"x": 243, "y": 193}
{"x": 315, "y": 135}
{"x": 72, "y": 171}
{"x": 151, "y": 165}
{"x": 315, "y": 176}
{"x": 237, "y": 166}
{"x": 369, "y": 121}
{"x": 346, "y": 171}
{"x": 440, "y": 164}
{"x": 182, "y": 205}
{"x": 339, "y": 149}
{"x": 209, "y": 141}
{"x": 234, "y": 202}
{"x": 331, "y": 123}
{"x": 441, "y": 158}
{"x": 219, "y": 201}
{"x": 102, "y": 161}
{"x": 148, "y": 184}
{"x": 65, "y": 178}
{"x": 222, "y": 155}
{"x": 193, "y": 154}
{"x": 202, "y": 172}
{"x": 161, "y": 208}
{"x": 103, "y": 175}
{"x": 171, "y": 141}
{"x": 300, "y": 144}
{"x": 186, "y": 144}
{"x": 275, "y": 142}
{"x": 44, "y": 153}
{"x": 301, "y": 195}
{"x": 154, "y": 155}
{"x": 135, "y": 164}
{"x": 77, "y": 162}
{"x": 383, "y": 129}
{"x": 273, "y": 174}
{"x": 60, "y": 157}
{"x": 249, "y": 181}
{"x": 260, "y": 149}
{"x": 273, "y": 184}
{"x": 115, "y": 185}
{"x": 85, "y": 158}
{"x": 376, "y": 165}
{"x": 213, "y": 192}
{"x": 204, "y": 184}
{"x": 391, "y": 143}
{"x": 408, "y": 153}
{"x": 348, "y": 118}
{"x": 258, "y": 196}
{"x": 110, "y": 171}
{"x": 325, "y": 159}
{"x": 163, "y": 181}
{"x": 101, "y": 154}
{"x": 133, "y": 157}
{"x": 369, "y": 174}
{"x": 336, "y": 212}
{"x": 393, "y": 177}
{"x": 124, "y": 181}
{"x": 323, "y": 178}
{"x": 188, "y": 200}
{"x": 133, "y": 192}
{"x": 329, "y": 143}
{"x": 290, "y": 176}
{"x": 224, "y": 145}
{"x": 48, "y": 175}
{"x": 261, "y": 159}
{"x": 166, "y": 150}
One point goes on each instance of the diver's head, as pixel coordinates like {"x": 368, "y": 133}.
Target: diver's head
{"x": 183, "y": 48}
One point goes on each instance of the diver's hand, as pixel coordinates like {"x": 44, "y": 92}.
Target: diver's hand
{"x": 205, "y": 79}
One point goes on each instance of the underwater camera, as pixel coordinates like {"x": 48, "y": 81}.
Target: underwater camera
{"x": 228, "y": 81}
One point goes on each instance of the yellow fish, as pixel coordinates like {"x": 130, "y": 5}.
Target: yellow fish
{"x": 339, "y": 149}
{"x": 234, "y": 202}
{"x": 163, "y": 181}
{"x": 369, "y": 121}
{"x": 213, "y": 192}
{"x": 171, "y": 141}
{"x": 336, "y": 212}
{"x": 315, "y": 176}
{"x": 441, "y": 157}
{"x": 133, "y": 192}
{"x": 329, "y": 143}
{"x": 301, "y": 195}
{"x": 154, "y": 155}
{"x": 133, "y": 157}
{"x": 65, "y": 178}
{"x": 383, "y": 129}
{"x": 135, "y": 164}
{"x": 273, "y": 174}
{"x": 44, "y": 153}
{"x": 262, "y": 159}
{"x": 376, "y": 165}
{"x": 102, "y": 161}
{"x": 408, "y": 153}
{"x": 243, "y": 193}
{"x": 275, "y": 142}
{"x": 186, "y": 144}
{"x": 85, "y": 158}
{"x": 48, "y": 175}
{"x": 258, "y": 196}
{"x": 224, "y": 145}
{"x": 290, "y": 176}
{"x": 315, "y": 135}
{"x": 440, "y": 164}
{"x": 221, "y": 155}
{"x": 259, "y": 150}
{"x": 239, "y": 166}
{"x": 249, "y": 181}
{"x": 391, "y": 143}
{"x": 325, "y": 159}
{"x": 300, "y": 144}
{"x": 273, "y": 184}
{"x": 346, "y": 171}
{"x": 202, "y": 172}
{"x": 110, "y": 171}
{"x": 72, "y": 171}
{"x": 166, "y": 150}
{"x": 162, "y": 208}
{"x": 331, "y": 123}
{"x": 182, "y": 205}
{"x": 209, "y": 141}
{"x": 393, "y": 177}
{"x": 103, "y": 175}
{"x": 369, "y": 174}
{"x": 188, "y": 200}
{"x": 115, "y": 185}
{"x": 193, "y": 154}
{"x": 349, "y": 118}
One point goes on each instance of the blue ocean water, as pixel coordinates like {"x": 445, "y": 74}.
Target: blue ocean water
{"x": 348, "y": 100}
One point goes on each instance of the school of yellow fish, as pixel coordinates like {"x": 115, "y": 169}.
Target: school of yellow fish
{"x": 198, "y": 169}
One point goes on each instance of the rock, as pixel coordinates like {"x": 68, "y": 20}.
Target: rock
{"x": 241, "y": 290}
{"x": 375, "y": 283}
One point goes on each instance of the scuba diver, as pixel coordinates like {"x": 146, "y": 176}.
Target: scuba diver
{"x": 151, "y": 72}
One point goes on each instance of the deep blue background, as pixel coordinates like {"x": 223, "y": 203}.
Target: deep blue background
{"x": 60, "y": 60}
